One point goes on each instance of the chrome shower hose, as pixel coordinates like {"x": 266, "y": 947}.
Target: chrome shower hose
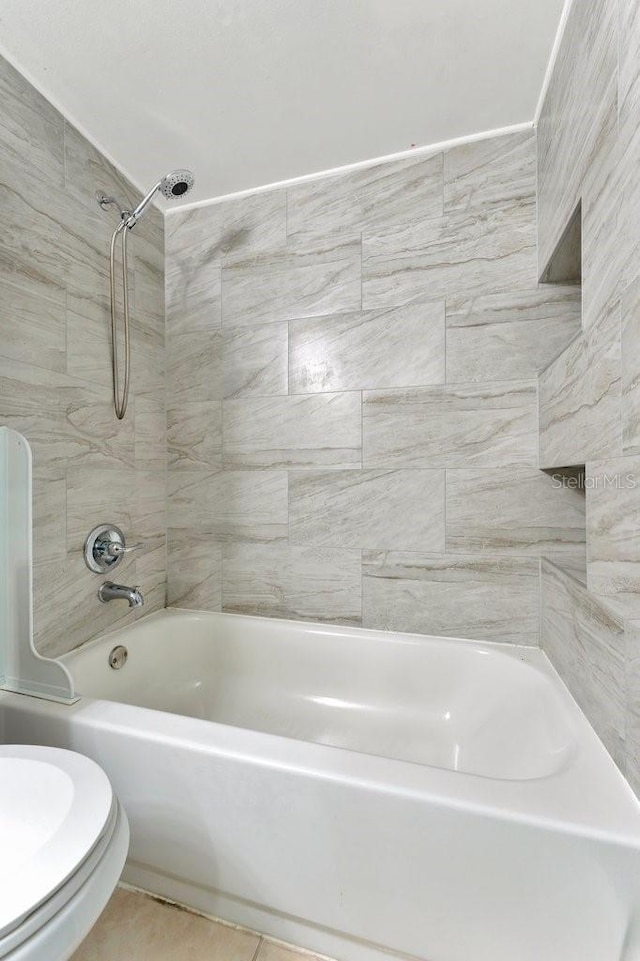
{"x": 120, "y": 401}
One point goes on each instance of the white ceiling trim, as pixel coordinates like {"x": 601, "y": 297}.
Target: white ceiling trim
{"x": 253, "y": 98}
{"x": 348, "y": 168}
{"x": 555, "y": 50}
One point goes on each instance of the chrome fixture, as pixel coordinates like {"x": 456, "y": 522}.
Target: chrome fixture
{"x": 105, "y": 202}
{"x": 105, "y": 547}
{"x": 118, "y": 592}
{"x": 173, "y": 185}
{"x": 118, "y": 657}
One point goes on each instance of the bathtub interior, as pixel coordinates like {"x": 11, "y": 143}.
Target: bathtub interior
{"x": 462, "y": 706}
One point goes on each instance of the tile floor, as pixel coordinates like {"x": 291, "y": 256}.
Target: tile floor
{"x": 136, "y": 927}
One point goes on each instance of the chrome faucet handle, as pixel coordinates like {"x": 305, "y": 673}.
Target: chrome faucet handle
{"x": 105, "y": 547}
{"x": 117, "y": 549}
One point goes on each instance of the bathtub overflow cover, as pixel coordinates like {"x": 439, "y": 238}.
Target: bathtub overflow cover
{"x": 118, "y": 657}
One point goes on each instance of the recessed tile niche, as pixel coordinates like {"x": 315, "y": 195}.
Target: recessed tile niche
{"x": 564, "y": 387}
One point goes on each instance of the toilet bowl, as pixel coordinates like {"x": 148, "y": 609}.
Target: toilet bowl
{"x": 63, "y": 843}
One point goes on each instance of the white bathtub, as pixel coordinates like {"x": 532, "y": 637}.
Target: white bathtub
{"x": 360, "y": 794}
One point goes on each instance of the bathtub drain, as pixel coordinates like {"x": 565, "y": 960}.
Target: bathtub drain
{"x": 118, "y": 657}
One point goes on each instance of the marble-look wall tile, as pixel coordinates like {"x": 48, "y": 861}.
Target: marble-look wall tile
{"x": 628, "y": 68}
{"x": 67, "y": 611}
{"x": 489, "y": 425}
{"x": 223, "y": 232}
{"x": 195, "y": 368}
{"x": 494, "y": 170}
{"x": 55, "y": 364}
{"x": 147, "y": 288}
{"x": 193, "y": 296}
{"x": 296, "y": 431}
{"x": 306, "y": 280}
{"x": 32, "y": 130}
{"x": 485, "y": 597}
{"x": 401, "y": 347}
{"x": 88, "y": 171}
{"x": 387, "y": 510}
{"x": 67, "y": 422}
{"x": 235, "y": 506}
{"x": 151, "y": 575}
{"x": 49, "y": 521}
{"x": 613, "y": 522}
{"x": 601, "y": 200}
{"x": 585, "y": 641}
{"x": 88, "y": 339}
{"x": 150, "y": 517}
{"x": 377, "y": 196}
{"x": 588, "y": 143}
{"x": 516, "y": 511}
{"x": 627, "y": 237}
{"x": 150, "y": 433}
{"x": 194, "y": 570}
{"x": 194, "y": 435}
{"x": 630, "y": 357}
{"x": 200, "y": 241}
{"x": 255, "y": 360}
{"x": 580, "y": 398}
{"x": 90, "y": 502}
{"x": 148, "y": 362}
{"x": 475, "y": 260}
{"x": 510, "y": 336}
{"x": 35, "y": 253}
{"x": 574, "y": 114}
{"x": 301, "y": 583}
{"x": 33, "y": 327}
{"x": 475, "y": 251}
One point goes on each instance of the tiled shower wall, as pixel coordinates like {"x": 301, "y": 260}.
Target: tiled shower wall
{"x": 589, "y": 153}
{"x": 352, "y": 399}
{"x": 55, "y": 376}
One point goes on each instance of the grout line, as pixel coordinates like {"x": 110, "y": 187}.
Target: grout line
{"x": 258, "y": 947}
{"x": 446, "y": 366}
{"x": 361, "y": 270}
{"x": 362, "y": 430}
{"x": 446, "y": 477}
{"x": 362, "y": 618}
{"x": 286, "y": 218}
{"x": 64, "y": 153}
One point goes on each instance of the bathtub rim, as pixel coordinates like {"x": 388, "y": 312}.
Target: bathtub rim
{"x": 314, "y": 627}
{"x": 590, "y": 779}
{"x": 611, "y": 813}
{"x": 523, "y": 661}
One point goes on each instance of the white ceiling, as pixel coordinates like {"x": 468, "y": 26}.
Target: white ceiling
{"x": 251, "y": 92}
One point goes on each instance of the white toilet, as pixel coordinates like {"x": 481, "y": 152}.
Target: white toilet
{"x": 63, "y": 843}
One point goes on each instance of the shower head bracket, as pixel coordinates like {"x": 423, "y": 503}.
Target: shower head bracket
{"x": 104, "y": 202}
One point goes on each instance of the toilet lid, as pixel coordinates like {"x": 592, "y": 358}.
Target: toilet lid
{"x": 54, "y": 807}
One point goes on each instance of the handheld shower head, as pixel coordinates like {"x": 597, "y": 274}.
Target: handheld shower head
{"x": 173, "y": 185}
{"x": 177, "y": 183}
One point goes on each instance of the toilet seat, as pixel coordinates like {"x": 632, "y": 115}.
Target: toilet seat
{"x": 60, "y": 815}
